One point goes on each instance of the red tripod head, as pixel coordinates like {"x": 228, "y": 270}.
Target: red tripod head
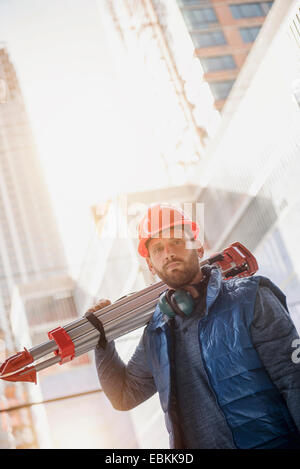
{"x": 235, "y": 261}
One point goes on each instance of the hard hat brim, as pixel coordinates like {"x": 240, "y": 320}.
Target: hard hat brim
{"x": 142, "y": 248}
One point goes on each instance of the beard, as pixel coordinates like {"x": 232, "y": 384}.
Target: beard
{"x": 181, "y": 275}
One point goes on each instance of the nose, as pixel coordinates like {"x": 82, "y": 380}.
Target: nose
{"x": 168, "y": 251}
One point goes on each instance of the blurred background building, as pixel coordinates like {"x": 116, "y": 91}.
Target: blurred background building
{"x": 36, "y": 292}
{"x": 217, "y": 33}
{"x": 175, "y": 105}
{"x": 30, "y": 248}
{"x": 183, "y": 58}
{"x": 250, "y": 184}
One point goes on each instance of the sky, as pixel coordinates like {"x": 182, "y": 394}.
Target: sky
{"x": 78, "y": 105}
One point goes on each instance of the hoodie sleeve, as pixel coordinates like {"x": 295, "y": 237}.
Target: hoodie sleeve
{"x": 275, "y": 337}
{"x": 126, "y": 386}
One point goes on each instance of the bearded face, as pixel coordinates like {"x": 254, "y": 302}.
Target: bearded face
{"x": 171, "y": 259}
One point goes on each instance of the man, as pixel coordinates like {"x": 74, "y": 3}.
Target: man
{"x": 223, "y": 371}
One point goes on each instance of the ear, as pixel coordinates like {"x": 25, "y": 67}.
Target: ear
{"x": 150, "y": 266}
{"x": 200, "y": 252}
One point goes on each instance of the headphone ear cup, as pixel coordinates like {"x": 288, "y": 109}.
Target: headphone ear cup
{"x": 165, "y": 306}
{"x": 176, "y": 301}
{"x": 184, "y": 301}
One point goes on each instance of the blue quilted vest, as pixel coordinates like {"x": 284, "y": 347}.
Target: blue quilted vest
{"x": 251, "y": 404}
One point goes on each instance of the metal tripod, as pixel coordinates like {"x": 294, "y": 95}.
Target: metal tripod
{"x": 119, "y": 318}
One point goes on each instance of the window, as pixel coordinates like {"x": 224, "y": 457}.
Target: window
{"x": 250, "y": 10}
{"x": 208, "y": 39}
{"x": 250, "y": 34}
{"x": 221, "y": 89}
{"x": 266, "y": 7}
{"x": 222, "y": 62}
{"x": 196, "y": 19}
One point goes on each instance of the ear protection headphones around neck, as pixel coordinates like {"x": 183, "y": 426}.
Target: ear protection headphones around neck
{"x": 173, "y": 302}
{"x": 181, "y": 302}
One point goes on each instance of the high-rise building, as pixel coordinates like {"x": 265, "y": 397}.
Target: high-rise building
{"x": 36, "y": 296}
{"x": 219, "y": 33}
{"x": 251, "y": 194}
{"x": 182, "y": 58}
{"x": 223, "y": 32}
{"x": 163, "y": 80}
{"x": 30, "y": 247}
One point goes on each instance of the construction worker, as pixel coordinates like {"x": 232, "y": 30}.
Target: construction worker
{"x": 219, "y": 353}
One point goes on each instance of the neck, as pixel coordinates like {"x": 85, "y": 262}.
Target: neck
{"x": 192, "y": 290}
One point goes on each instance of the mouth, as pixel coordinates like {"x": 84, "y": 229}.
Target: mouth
{"x": 173, "y": 265}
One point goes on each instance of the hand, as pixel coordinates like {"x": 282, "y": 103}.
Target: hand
{"x": 102, "y": 303}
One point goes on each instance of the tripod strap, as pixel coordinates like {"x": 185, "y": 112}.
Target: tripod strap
{"x": 99, "y": 326}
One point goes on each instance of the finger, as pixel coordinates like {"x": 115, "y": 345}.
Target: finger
{"x": 99, "y": 305}
{"x": 102, "y": 303}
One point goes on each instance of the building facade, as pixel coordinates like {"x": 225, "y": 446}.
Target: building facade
{"x": 223, "y": 32}
{"x": 181, "y": 59}
{"x": 30, "y": 248}
{"x": 218, "y": 33}
{"x": 36, "y": 294}
{"x": 250, "y": 185}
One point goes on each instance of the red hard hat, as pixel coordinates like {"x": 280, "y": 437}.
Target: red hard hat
{"x": 160, "y": 217}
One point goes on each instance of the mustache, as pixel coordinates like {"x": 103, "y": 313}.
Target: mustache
{"x": 171, "y": 262}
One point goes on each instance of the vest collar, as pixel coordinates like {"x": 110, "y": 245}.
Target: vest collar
{"x": 213, "y": 287}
